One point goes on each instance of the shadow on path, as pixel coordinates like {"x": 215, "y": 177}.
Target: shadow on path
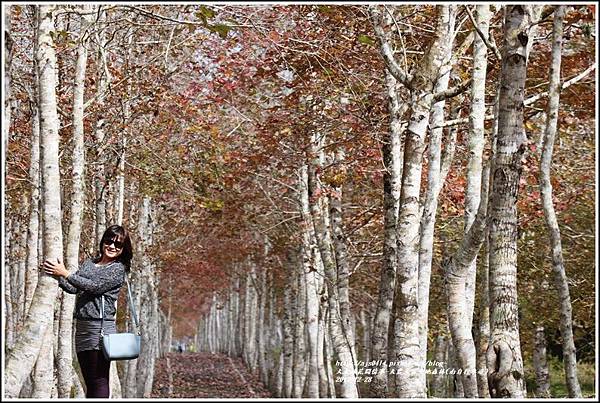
{"x": 205, "y": 375}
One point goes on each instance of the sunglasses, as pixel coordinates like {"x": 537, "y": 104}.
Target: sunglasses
{"x": 118, "y": 244}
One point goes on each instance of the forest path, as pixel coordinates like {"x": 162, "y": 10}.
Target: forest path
{"x": 205, "y": 375}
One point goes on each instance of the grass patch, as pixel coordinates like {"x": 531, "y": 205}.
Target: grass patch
{"x": 558, "y": 386}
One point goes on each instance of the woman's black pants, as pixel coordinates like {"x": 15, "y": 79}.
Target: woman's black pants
{"x": 95, "y": 369}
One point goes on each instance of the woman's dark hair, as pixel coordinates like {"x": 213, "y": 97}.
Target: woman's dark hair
{"x": 111, "y": 233}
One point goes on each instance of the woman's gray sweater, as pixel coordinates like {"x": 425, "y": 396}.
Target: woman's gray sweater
{"x": 90, "y": 282}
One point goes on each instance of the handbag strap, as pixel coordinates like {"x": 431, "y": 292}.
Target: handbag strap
{"x": 131, "y": 308}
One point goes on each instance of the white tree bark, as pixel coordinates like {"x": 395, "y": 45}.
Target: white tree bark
{"x": 540, "y": 364}
{"x": 407, "y": 351}
{"x": 8, "y": 56}
{"x": 33, "y": 229}
{"x": 483, "y": 327}
{"x": 366, "y": 336}
{"x": 457, "y": 272}
{"x": 78, "y": 392}
{"x": 124, "y": 136}
{"x": 391, "y": 149}
{"x": 435, "y": 182}
{"x": 461, "y": 282}
{"x": 288, "y": 343}
{"x": 299, "y": 345}
{"x": 100, "y": 182}
{"x": 129, "y": 388}
{"x": 476, "y": 141}
{"x": 324, "y": 365}
{"x": 504, "y": 359}
{"x": 438, "y": 379}
{"x": 7, "y": 306}
{"x": 262, "y": 329}
{"x": 64, "y": 353}
{"x": 10, "y": 276}
{"x": 312, "y": 296}
{"x": 21, "y": 359}
{"x": 340, "y": 248}
{"x": 43, "y": 373}
{"x": 341, "y": 343}
{"x": 454, "y": 385}
{"x": 328, "y": 357}
{"x": 558, "y": 265}
{"x": 20, "y": 265}
{"x": 148, "y": 312}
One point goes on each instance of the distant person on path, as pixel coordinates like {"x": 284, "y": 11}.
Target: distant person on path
{"x": 101, "y": 275}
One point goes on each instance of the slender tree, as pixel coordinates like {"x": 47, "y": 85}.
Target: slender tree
{"x": 456, "y": 275}
{"x": 310, "y": 277}
{"x": 339, "y": 333}
{"x": 504, "y": 359}
{"x": 391, "y": 149}
{"x": 558, "y": 265}
{"x": 64, "y": 353}
{"x": 540, "y": 364}
{"x": 22, "y": 358}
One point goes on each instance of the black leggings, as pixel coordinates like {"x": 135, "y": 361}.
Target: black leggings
{"x": 95, "y": 369}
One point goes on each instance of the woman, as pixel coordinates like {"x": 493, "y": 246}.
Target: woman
{"x": 102, "y": 275}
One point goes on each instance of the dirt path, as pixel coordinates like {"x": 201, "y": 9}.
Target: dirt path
{"x": 205, "y": 375}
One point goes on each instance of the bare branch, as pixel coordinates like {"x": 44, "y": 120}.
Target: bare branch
{"x": 565, "y": 85}
{"x": 452, "y": 92}
{"x": 529, "y": 100}
{"x": 490, "y": 45}
{"x": 386, "y": 51}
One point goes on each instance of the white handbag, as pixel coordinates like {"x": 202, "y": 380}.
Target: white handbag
{"x": 121, "y": 346}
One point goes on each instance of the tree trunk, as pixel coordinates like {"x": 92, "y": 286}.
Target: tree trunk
{"x": 288, "y": 343}
{"x": 20, "y": 266}
{"x": 78, "y": 392}
{"x": 278, "y": 385}
{"x": 312, "y": 297}
{"x": 456, "y": 275}
{"x": 11, "y": 274}
{"x": 64, "y": 353}
{"x": 558, "y": 264}
{"x": 435, "y": 181}
{"x": 21, "y": 359}
{"x": 8, "y": 56}
{"x": 504, "y": 360}
{"x": 43, "y": 373}
{"x": 391, "y": 150}
{"x": 483, "y": 327}
{"x": 340, "y": 249}
{"x": 329, "y": 356}
{"x": 476, "y": 142}
{"x": 33, "y": 229}
{"x": 324, "y": 364}
{"x": 7, "y": 306}
{"x": 540, "y": 364}
{"x": 438, "y": 378}
{"x": 339, "y": 338}
{"x": 460, "y": 277}
{"x": 251, "y": 317}
{"x": 299, "y": 345}
{"x": 100, "y": 180}
{"x": 148, "y": 313}
{"x": 129, "y": 389}
{"x": 409, "y": 378}
{"x": 120, "y": 203}
{"x": 261, "y": 333}
{"x": 454, "y": 379}
{"x": 364, "y": 343}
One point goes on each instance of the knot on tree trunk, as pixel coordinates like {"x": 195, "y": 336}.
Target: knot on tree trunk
{"x": 504, "y": 373}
